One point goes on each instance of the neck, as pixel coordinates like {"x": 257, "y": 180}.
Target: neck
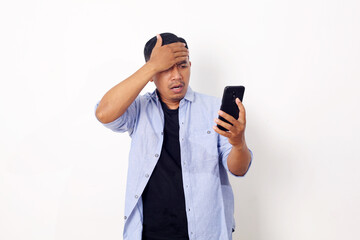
{"x": 171, "y": 104}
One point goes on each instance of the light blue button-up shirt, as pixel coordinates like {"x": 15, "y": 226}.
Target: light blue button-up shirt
{"x": 209, "y": 197}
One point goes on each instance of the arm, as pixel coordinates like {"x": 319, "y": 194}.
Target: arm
{"x": 238, "y": 160}
{"x": 117, "y": 100}
{"x": 239, "y": 157}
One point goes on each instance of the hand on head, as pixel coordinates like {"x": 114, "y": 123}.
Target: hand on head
{"x": 164, "y": 57}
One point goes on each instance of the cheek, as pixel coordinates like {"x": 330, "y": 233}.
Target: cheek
{"x": 163, "y": 75}
{"x": 186, "y": 75}
{"x": 161, "y": 80}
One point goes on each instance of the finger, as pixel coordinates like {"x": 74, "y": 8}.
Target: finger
{"x": 177, "y": 44}
{"x": 242, "y": 112}
{"x": 158, "y": 41}
{"x": 224, "y": 124}
{"x": 181, "y": 54}
{"x": 228, "y": 117}
{"x": 221, "y": 132}
{"x": 180, "y": 59}
{"x": 179, "y": 49}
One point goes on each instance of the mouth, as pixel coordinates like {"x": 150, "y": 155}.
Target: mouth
{"x": 177, "y": 88}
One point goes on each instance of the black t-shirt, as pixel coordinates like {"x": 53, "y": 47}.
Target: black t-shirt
{"x": 164, "y": 214}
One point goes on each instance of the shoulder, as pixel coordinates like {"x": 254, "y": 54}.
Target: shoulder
{"x": 206, "y": 99}
{"x": 206, "y": 103}
{"x": 146, "y": 98}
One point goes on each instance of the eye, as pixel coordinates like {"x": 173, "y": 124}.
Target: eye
{"x": 183, "y": 66}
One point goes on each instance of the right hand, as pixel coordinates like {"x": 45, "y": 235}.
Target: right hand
{"x": 164, "y": 57}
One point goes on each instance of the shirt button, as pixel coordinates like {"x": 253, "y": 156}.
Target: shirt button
{"x": 146, "y": 175}
{"x": 136, "y": 196}
{"x": 187, "y": 185}
{"x": 156, "y": 155}
{"x": 189, "y": 209}
{"x": 208, "y": 132}
{"x": 125, "y": 217}
{"x": 182, "y": 123}
{"x": 191, "y": 232}
{"x": 162, "y": 133}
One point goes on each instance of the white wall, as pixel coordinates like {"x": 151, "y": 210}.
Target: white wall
{"x": 62, "y": 174}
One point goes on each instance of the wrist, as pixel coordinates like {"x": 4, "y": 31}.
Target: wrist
{"x": 239, "y": 147}
{"x": 151, "y": 67}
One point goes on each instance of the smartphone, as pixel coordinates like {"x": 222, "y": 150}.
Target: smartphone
{"x": 228, "y": 103}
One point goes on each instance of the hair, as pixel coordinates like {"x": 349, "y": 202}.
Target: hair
{"x": 167, "y": 38}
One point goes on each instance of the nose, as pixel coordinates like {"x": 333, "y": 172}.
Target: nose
{"x": 175, "y": 73}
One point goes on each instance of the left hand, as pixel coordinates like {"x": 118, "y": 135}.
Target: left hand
{"x": 236, "y": 133}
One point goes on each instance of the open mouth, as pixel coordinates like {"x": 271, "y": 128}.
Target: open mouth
{"x": 177, "y": 88}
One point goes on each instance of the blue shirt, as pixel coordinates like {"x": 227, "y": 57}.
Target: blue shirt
{"x": 209, "y": 198}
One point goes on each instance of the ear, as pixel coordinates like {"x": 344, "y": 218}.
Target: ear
{"x": 190, "y": 63}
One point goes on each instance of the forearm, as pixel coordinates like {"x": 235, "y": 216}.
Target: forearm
{"x": 239, "y": 159}
{"x": 116, "y": 101}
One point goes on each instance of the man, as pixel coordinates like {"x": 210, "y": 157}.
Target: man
{"x": 177, "y": 184}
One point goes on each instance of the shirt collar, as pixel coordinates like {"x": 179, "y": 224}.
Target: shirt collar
{"x": 189, "y": 96}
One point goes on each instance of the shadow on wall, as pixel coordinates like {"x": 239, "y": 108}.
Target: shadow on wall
{"x": 263, "y": 194}
{"x": 247, "y": 206}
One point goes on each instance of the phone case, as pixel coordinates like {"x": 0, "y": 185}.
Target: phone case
{"x": 228, "y": 103}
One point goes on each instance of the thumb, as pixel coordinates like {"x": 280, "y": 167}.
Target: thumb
{"x": 158, "y": 41}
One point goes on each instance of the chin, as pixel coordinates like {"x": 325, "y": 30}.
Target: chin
{"x": 179, "y": 98}
{"x": 181, "y": 95}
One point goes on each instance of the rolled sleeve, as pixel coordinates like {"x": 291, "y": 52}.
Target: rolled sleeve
{"x": 126, "y": 122}
{"x": 225, "y": 148}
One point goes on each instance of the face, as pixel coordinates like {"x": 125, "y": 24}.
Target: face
{"x": 172, "y": 84}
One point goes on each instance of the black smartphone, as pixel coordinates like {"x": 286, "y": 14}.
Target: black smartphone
{"x": 228, "y": 103}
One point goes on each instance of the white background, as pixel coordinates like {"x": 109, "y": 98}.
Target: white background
{"x": 62, "y": 174}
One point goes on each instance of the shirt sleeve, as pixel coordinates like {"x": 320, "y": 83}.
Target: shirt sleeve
{"x": 225, "y": 148}
{"x": 127, "y": 121}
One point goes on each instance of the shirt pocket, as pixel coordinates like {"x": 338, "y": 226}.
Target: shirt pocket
{"x": 204, "y": 150}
